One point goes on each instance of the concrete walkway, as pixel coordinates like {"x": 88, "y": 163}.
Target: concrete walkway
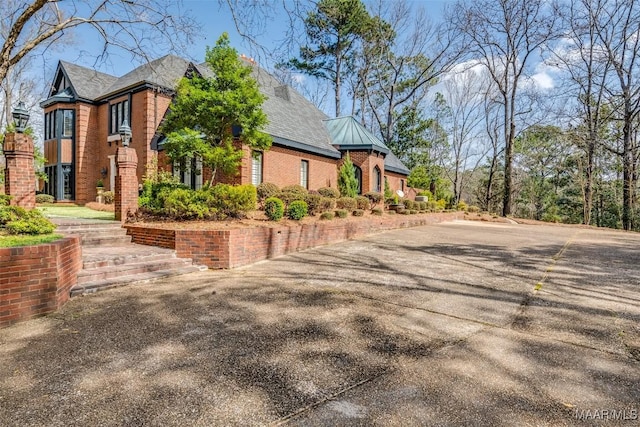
{"x": 456, "y": 324}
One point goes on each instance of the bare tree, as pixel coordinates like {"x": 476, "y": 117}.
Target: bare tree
{"x": 616, "y": 24}
{"x": 141, "y": 28}
{"x": 465, "y": 101}
{"x": 504, "y": 36}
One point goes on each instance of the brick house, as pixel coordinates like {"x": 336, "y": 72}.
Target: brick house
{"x": 85, "y": 109}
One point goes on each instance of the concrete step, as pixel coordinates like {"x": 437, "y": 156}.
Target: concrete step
{"x": 99, "y": 285}
{"x": 115, "y": 271}
{"x": 91, "y": 240}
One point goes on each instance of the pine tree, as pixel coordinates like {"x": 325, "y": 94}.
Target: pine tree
{"x": 347, "y": 182}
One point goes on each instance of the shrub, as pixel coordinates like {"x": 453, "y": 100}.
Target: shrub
{"x": 441, "y": 205}
{"x": 11, "y": 213}
{"x": 432, "y": 206}
{"x": 423, "y": 206}
{"x": 405, "y": 212}
{"x": 409, "y": 204}
{"x": 348, "y": 203}
{"x": 426, "y": 193}
{"x": 292, "y": 192}
{"x": 4, "y": 199}
{"x": 341, "y": 213}
{"x": 26, "y": 222}
{"x": 232, "y": 200}
{"x": 462, "y": 206}
{"x": 391, "y": 212}
{"x": 413, "y": 211}
{"x": 473, "y": 209}
{"x": 329, "y": 192}
{"x": 274, "y": 208}
{"x": 326, "y": 215}
{"x": 314, "y": 203}
{"x": 266, "y": 190}
{"x": 183, "y": 203}
{"x": 108, "y": 197}
{"x": 44, "y": 198}
{"x": 374, "y": 197}
{"x": 347, "y": 181}
{"x": 363, "y": 202}
{"x": 376, "y": 211}
{"x": 327, "y": 204}
{"x": 358, "y": 212}
{"x": 297, "y": 210}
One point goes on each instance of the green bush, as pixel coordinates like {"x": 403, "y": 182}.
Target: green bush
{"x": 266, "y": 190}
{"x": 376, "y": 211}
{"x": 363, "y": 202}
{"x": 341, "y": 213}
{"x": 232, "y": 200}
{"x": 11, "y": 213}
{"x": 44, "y": 198}
{"x": 4, "y": 199}
{"x": 413, "y": 211}
{"x": 358, "y": 212}
{"x": 274, "y": 208}
{"x": 183, "y": 203}
{"x": 348, "y": 203}
{"x": 330, "y": 192}
{"x": 314, "y": 203}
{"x": 432, "y": 206}
{"x": 297, "y": 210}
{"x": 292, "y": 192}
{"x": 17, "y": 220}
{"x": 409, "y": 204}
{"x": 108, "y": 197}
{"x": 326, "y": 215}
{"x": 462, "y": 205}
{"x": 423, "y": 206}
{"x": 374, "y": 197}
{"x": 154, "y": 194}
{"x": 391, "y": 212}
{"x": 426, "y": 193}
{"x": 405, "y": 212}
{"x": 474, "y": 209}
{"x": 327, "y": 204}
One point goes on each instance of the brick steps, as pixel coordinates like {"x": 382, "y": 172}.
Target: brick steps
{"x": 111, "y": 260}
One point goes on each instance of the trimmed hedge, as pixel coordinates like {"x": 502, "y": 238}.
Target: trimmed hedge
{"x": 44, "y": 198}
{"x": 330, "y": 192}
{"x": 274, "y": 208}
{"x": 297, "y": 210}
{"x": 348, "y": 203}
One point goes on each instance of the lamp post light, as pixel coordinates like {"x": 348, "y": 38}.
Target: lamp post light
{"x": 20, "y": 117}
{"x": 125, "y": 133}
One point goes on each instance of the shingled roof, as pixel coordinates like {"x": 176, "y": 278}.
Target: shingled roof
{"x": 86, "y": 83}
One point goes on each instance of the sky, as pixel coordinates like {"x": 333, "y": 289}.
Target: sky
{"x": 214, "y": 20}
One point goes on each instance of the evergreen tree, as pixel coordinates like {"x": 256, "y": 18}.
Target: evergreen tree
{"x": 206, "y": 110}
{"x": 347, "y": 182}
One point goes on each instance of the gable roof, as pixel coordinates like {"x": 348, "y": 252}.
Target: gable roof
{"x": 86, "y": 83}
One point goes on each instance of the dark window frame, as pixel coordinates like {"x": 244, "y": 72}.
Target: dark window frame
{"x": 118, "y": 111}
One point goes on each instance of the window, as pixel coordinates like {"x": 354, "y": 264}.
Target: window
{"x": 50, "y": 125}
{"x": 117, "y": 114}
{"x": 256, "y": 168}
{"x": 304, "y": 174}
{"x": 377, "y": 179}
{"x": 191, "y": 173}
{"x": 402, "y": 184}
{"x": 358, "y": 178}
{"x": 67, "y": 123}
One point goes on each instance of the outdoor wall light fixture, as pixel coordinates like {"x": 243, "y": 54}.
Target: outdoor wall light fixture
{"x": 125, "y": 133}
{"x": 103, "y": 172}
{"x": 20, "y": 117}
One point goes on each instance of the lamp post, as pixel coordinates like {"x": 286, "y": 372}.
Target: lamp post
{"x": 21, "y": 117}
{"x": 125, "y": 133}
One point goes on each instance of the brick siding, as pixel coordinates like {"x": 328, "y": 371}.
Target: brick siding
{"x": 242, "y": 246}
{"x": 36, "y": 280}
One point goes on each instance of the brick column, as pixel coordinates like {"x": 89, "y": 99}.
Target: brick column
{"x": 126, "y": 195}
{"x": 19, "y": 175}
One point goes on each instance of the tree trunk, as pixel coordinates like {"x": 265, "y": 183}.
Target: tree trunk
{"x": 508, "y": 158}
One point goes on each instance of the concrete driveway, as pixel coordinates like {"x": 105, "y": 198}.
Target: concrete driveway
{"x": 462, "y": 323}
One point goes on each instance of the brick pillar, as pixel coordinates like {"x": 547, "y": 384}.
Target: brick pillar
{"x": 126, "y": 195}
{"x": 19, "y": 174}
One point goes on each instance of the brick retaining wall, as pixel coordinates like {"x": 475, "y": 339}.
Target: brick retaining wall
{"x": 242, "y": 246}
{"x": 36, "y": 280}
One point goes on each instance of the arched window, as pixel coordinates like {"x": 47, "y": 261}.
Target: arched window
{"x": 377, "y": 179}
{"x": 358, "y": 178}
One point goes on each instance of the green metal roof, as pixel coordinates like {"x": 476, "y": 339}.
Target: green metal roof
{"x": 347, "y": 134}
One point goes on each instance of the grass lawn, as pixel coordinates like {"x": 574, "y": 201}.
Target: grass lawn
{"x": 53, "y": 210}
{"x": 11, "y": 241}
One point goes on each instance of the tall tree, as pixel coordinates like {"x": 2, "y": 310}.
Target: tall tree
{"x": 208, "y": 111}
{"x": 504, "y": 36}
{"x": 334, "y": 29}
